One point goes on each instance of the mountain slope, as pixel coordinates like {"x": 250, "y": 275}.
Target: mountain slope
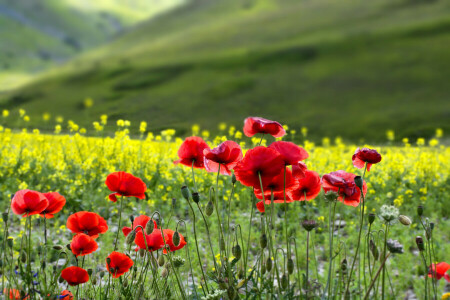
{"x": 349, "y": 68}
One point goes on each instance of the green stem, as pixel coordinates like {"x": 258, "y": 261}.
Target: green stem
{"x": 384, "y": 267}
{"x": 426, "y": 275}
{"x": 120, "y": 221}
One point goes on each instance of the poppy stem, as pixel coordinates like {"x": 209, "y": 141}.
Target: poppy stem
{"x": 248, "y": 242}
{"x": 384, "y": 267}
{"x": 193, "y": 176}
{"x": 426, "y": 275}
{"x": 120, "y": 221}
{"x": 376, "y": 276}
{"x": 331, "y": 229}
{"x": 307, "y": 263}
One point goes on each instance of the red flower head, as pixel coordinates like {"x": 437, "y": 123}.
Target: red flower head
{"x": 13, "y": 294}
{"x": 260, "y": 207}
{"x": 83, "y": 244}
{"x": 259, "y": 160}
{"x": 191, "y": 151}
{"x": 308, "y": 185}
{"x": 67, "y": 295}
{"x": 254, "y": 125}
{"x": 439, "y": 270}
{"x": 276, "y": 184}
{"x": 299, "y": 170}
{"x": 119, "y": 264}
{"x": 290, "y": 152}
{"x": 27, "y": 203}
{"x": 142, "y": 220}
{"x": 56, "y": 202}
{"x": 75, "y": 275}
{"x": 86, "y": 222}
{"x": 153, "y": 241}
{"x": 168, "y": 236}
{"x": 125, "y": 184}
{"x": 227, "y": 154}
{"x": 365, "y": 155}
{"x": 343, "y": 183}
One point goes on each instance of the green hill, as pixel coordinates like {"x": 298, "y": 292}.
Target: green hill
{"x": 349, "y": 68}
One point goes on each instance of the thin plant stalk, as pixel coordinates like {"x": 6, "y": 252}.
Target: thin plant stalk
{"x": 120, "y": 221}
{"x": 384, "y": 267}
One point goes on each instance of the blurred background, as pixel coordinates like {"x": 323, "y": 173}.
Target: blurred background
{"x": 354, "y": 69}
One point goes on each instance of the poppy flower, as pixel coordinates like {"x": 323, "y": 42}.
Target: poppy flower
{"x": 83, "y": 244}
{"x": 260, "y": 207}
{"x": 168, "y": 236}
{"x": 343, "y": 183}
{"x": 67, "y": 295}
{"x": 119, "y": 264}
{"x": 28, "y": 202}
{"x": 86, "y": 222}
{"x": 56, "y": 202}
{"x": 365, "y": 155}
{"x": 227, "y": 154}
{"x": 191, "y": 152}
{"x": 439, "y": 270}
{"x": 308, "y": 185}
{"x": 290, "y": 152}
{"x": 13, "y": 294}
{"x": 276, "y": 185}
{"x": 298, "y": 170}
{"x": 254, "y": 125}
{"x": 152, "y": 242}
{"x": 75, "y": 275}
{"x": 125, "y": 184}
{"x": 142, "y": 220}
{"x": 259, "y": 161}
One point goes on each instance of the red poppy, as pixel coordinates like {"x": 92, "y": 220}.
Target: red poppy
{"x": 168, "y": 236}
{"x": 83, "y": 244}
{"x": 439, "y": 270}
{"x": 120, "y": 264}
{"x": 290, "y": 152}
{"x": 254, "y": 125}
{"x": 67, "y": 295}
{"x": 154, "y": 241}
{"x": 260, "y": 207}
{"x": 259, "y": 161}
{"x": 308, "y": 185}
{"x": 56, "y": 202}
{"x": 75, "y": 275}
{"x": 343, "y": 183}
{"x": 365, "y": 155}
{"x": 86, "y": 222}
{"x": 276, "y": 185}
{"x": 227, "y": 154}
{"x": 13, "y": 294}
{"x": 191, "y": 151}
{"x": 142, "y": 220}
{"x": 298, "y": 170}
{"x": 125, "y": 184}
{"x": 28, "y": 202}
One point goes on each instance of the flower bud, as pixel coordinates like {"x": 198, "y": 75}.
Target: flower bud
{"x": 57, "y": 247}
{"x": 263, "y": 269}
{"x": 374, "y": 250}
{"x": 309, "y": 224}
{"x": 222, "y": 244}
{"x": 404, "y": 220}
{"x": 263, "y": 240}
{"x": 131, "y": 236}
{"x": 284, "y": 282}
{"x": 176, "y": 239}
{"x": 209, "y": 208}
{"x": 371, "y": 218}
{"x": 196, "y": 197}
{"x": 68, "y": 247}
{"x": 344, "y": 265}
{"x": 43, "y": 265}
{"x": 131, "y": 219}
{"x": 161, "y": 260}
{"x": 108, "y": 261}
{"x": 60, "y": 280}
{"x": 420, "y": 210}
{"x": 358, "y": 182}
{"x": 149, "y": 227}
{"x": 237, "y": 252}
{"x": 89, "y": 271}
{"x": 94, "y": 280}
{"x": 431, "y": 225}
{"x": 290, "y": 265}
{"x": 23, "y": 256}
{"x": 241, "y": 273}
{"x": 141, "y": 252}
{"x": 269, "y": 264}
{"x": 185, "y": 192}
{"x": 233, "y": 178}
{"x": 10, "y": 242}
{"x": 125, "y": 283}
{"x": 165, "y": 273}
{"x": 102, "y": 274}
{"x": 331, "y": 196}
{"x": 394, "y": 246}
{"x": 420, "y": 244}
{"x": 5, "y": 217}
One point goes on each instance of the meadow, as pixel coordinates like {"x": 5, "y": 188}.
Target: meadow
{"x": 76, "y": 162}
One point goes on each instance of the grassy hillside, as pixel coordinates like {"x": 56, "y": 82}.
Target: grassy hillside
{"x": 349, "y": 68}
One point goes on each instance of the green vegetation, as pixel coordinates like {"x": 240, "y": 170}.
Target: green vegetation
{"x": 346, "y": 68}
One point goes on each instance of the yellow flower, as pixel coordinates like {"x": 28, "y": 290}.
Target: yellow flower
{"x": 5, "y": 113}
{"x": 26, "y": 118}
{"x": 46, "y": 116}
{"x": 88, "y": 102}
{"x": 390, "y": 135}
{"x": 420, "y": 142}
{"x": 439, "y": 133}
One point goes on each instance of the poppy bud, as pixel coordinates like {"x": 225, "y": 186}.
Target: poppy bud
{"x": 60, "y": 280}
{"x": 404, "y": 220}
{"x": 222, "y": 244}
{"x": 141, "y": 252}
{"x": 23, "y": 256}
{"x": 161, "y": 261}
{"x": 374, "y": 250}
{"x": 233, "y": 178}
{"x": 263, "y": 269}
{"x": 236, "y": 250}
{"x": 131, "y": 219}
{"x": 176, "y": 239}
{"x": 269, "y": 264}
{"x": 94, "y": 281}
{"x": 263, "y": 240}
{"x": 331, "y": 196}
{"x": 125, "y": 282}
{"x": 165, "y": 273}
{"x": 68, "y": 247}
{"x": 431, "y": 225}
{"x": 309, "y": 224}
{"x": 149, "y": 227}
{"x": 420, "y": 244}
{"x": 344, "y": 264}
{"x": 43, "y": 265}
{"x": 102, "y": 274}
{"x": 284, "y": 282}
{"x": 358, "y": 181}
{"x": 10, "y": 242}
{"x": 371, "y": 218}
{"x": 131, "y": 236}
{"x": 5, "y": 217}
{"x": 89, "y": 271}
{"x": 196, "y": 197}
{"x": 290, "y": 265}
{"x": 108, "y": 261}
{"x": 185, "y": 192}
{"x": 209, "y": 208}
{"x": 420, "y": 210}
{"x": 57, "y": 247}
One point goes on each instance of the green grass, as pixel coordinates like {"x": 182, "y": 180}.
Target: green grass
{"x": 347, "y": 68}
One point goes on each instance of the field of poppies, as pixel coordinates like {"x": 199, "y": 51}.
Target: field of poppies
{"x": 246, "y": 214}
